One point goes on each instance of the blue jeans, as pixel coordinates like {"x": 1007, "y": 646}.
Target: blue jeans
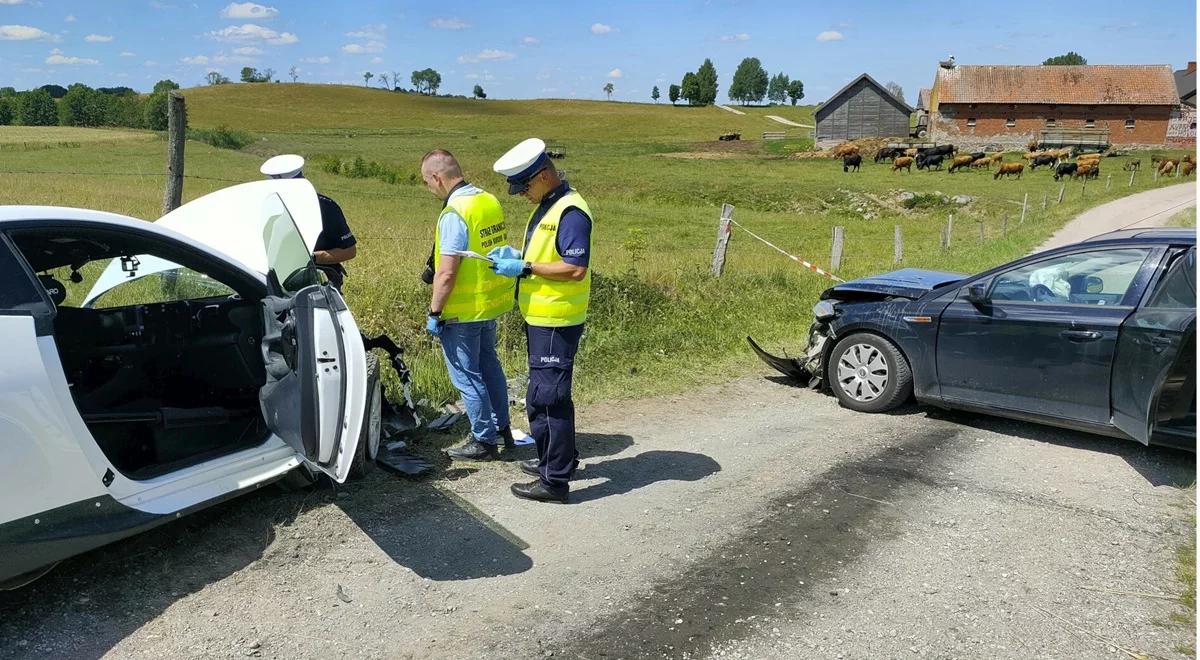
{"x": 470, "y": 350}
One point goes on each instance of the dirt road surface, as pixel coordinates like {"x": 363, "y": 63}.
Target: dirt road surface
{"x": 788, "y": 122}
{"x": 1152, "y": 208}
{"x": 750, "y": 520}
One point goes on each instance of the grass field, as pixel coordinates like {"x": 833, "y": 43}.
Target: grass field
{"x": 655, "y": 178}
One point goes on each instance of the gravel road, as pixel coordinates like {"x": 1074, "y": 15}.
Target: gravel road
{"x": 753, "y": 520}
{"x": 1152, "y": 208}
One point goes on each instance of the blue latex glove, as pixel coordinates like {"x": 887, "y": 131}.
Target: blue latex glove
{"x": 508, "y": 267}
{"x": 504, "y": 252}
{"x": 434, "y": 325}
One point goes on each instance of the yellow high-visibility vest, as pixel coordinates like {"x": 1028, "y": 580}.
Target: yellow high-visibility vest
{"x": 479, "y": 294}
{"x": 553, "y": 303}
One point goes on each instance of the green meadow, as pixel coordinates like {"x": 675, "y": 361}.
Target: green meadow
{"x": 654, "y": 175}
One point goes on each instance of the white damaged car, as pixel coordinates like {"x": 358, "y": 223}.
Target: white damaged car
{"x": 153, "y": 369}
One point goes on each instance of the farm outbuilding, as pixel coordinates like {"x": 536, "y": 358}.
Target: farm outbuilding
{"x": 863, "y": 108}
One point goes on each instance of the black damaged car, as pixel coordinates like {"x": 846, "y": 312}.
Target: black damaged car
{"x": 1099, "y": 336}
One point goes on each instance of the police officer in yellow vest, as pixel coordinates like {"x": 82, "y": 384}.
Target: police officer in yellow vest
{"x": 467, "y": 298}
{"x": 553, "y": 287}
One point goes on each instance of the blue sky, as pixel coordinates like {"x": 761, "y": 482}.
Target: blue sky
{"x": 565, "y": 49}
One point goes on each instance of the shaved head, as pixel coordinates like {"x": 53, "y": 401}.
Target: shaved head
{"x": 442, "y": 163}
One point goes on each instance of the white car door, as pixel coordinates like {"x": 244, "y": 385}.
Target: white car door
{"x": 316, "y": 386}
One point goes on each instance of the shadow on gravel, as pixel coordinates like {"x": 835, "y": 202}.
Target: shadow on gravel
{"x": 1160, "y": 466}
{"x": 627, "y": 474}
{"x": 89, "y": 603}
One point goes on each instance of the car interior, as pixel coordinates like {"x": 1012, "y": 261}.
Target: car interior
{"x": 164, "y": 367}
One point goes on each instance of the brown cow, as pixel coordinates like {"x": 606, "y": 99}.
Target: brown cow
{"x": 1034, "y": 154}
{"x": 997, "y": 157}
{"x": 911, "y": 152}
{"x": 960, "y": 162}
{"x": 904, "y": 162}
{"x": 1189, "y": 159}
{"x": 845, "y": 149}
{"x": 1187, "y": 168}
{"x": 1167, "y": 167}
{"x": 1060, "y": 154}
{"x": 982, "y": 163}
{"x": 1087, "y": 170}
{"x": 1009, "y": 169}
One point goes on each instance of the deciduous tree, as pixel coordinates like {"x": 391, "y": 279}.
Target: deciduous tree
{"x": 608, "y": 89}
{"x": 777, "y": 90}
{"x": 478, "y": 92}
{"x": 673, "y": 93}
{"x": 654, "y": 94}
{"x": 37, "y": 108}
{"x": 795, "y": 91}
{"x": 1070, "y": 58}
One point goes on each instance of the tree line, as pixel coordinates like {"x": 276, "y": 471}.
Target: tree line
{"x": 81, "y": 105}
{"x": 750, "y": 84}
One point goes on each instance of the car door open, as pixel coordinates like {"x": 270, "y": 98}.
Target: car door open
{"x": 314, "y": 396}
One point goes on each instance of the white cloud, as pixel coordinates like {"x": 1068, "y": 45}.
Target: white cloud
{"x": 58, "y": 59}
{"x": 830, "y": 35}
{"x": 128, "y": 54}
{"x": 359, "y": 49}
{"x": 21, "y": 33}
{"x": 149, "y": 63}
{"x": 70, "y": 18}
{"x": 369, "y": 32}
{"x": 449, "y": 24}
{"x": 376, "y": 60}
{"x": 248, "y": 10}
{"x": 324, "y": 59}
{"x": 741, "y": 36}
{"x": 197, "y": 60}
{"x": 615, "y": 73}
{"x": 250, "y": 33}
{"x": 530, "y": 41}
{"x": 12, "y": 2}
{"x": 248, "y": 51}
{"x": 601, "y": 28}
{"x": 98, "y": 38}
{"x": 486, "y": 55}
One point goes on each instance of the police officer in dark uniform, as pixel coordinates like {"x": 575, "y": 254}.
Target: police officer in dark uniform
{"x": 336, "y": 243}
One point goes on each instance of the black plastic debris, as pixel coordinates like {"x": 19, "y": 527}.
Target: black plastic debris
{"x": 395, "y": 457}
{"x": 790, "y": 367}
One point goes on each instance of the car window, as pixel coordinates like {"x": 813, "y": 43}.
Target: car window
{"x": 1101, "y": 277}
{"x": 169, "y": 285}
{"x": 1177, "y": 290}
{"x": 18, "y": 291}
{"x": 143, "y": 279}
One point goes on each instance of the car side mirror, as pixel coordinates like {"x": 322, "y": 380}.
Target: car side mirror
{"x": 977, "y": 293}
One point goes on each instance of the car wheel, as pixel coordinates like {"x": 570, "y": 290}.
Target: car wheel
{"x": 368, "y": 442}
{"x": 868, "y": 373}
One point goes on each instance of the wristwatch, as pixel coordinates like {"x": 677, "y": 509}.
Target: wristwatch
{"x": 527, "y": 270}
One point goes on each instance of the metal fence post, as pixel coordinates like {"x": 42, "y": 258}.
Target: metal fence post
{"x": 176, "y": 137}
{"x": 835, "y": 253}
{"x": 724, "y": 230}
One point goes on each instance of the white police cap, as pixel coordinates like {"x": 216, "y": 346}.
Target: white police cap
{"x": 286, "y": 166}
{"x": 521, "y": 163}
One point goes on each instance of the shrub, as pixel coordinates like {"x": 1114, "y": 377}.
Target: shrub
{"x": 156, "y": 112}
{"x": 37, "y": 108}
{"x": 360, "y": 168}
{"x": 221, "y": 137}
{"x": 8, "y": 111}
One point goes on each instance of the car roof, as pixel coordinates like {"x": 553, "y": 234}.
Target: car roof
{"x": 26, "y": 214}
{"x": 1148, "y": 235}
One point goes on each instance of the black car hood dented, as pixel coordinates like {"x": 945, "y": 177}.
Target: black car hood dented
{"x": 906, "y": 283}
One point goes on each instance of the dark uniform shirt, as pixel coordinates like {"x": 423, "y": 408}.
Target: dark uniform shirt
{"x": 335, "y": 234}
{"x": 574, "y": 229}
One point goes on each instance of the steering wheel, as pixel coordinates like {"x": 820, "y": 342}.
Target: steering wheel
{"x": 1042, "y": 293}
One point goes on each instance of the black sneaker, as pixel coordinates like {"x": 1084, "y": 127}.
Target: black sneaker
{"x": 473, "y": 450}
{"x": 506, "y": 434}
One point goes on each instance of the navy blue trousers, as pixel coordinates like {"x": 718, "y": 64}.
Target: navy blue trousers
{"x": 548, "y": 400}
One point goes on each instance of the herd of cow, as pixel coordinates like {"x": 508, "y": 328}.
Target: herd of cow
{"x": 1086, "y": 166}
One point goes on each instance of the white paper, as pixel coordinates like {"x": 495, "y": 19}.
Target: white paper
{"x": 471, "y": 255}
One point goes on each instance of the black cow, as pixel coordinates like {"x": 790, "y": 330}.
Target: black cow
{"x": 1042, "y": 160}
{"x": 1065, "y": 169}
{"x": 940, "y": 150}
{"x": 853, "y": 160}
{"x": 930, "y": 161}
{"x": 888, "y": 153}
{"x": 976, "y": 155}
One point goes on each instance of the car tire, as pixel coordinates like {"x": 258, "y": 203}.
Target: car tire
{"x": 868, "y": 373}
{"x": 372, "y": 430}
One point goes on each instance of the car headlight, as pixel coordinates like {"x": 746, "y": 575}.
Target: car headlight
{"x": 824, "y": 310}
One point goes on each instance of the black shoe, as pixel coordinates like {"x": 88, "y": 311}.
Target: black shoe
{"x": 473, "y": 450}
{"x": 536, "y": 491}
{"x": 530, "y": 467}
{"x": 506, "y": 434}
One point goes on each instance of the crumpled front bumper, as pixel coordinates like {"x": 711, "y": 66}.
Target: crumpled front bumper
{"x": 808, "y": 369}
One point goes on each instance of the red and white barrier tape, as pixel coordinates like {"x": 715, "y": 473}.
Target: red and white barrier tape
{"x": 794, "y": 258}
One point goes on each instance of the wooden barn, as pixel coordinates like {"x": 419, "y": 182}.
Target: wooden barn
{"x": 864, "y": 108}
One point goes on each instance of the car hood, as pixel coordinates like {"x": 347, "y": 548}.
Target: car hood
{"x": 905, "y": 283}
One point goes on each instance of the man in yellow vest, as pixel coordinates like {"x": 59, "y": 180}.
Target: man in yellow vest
{"x": 467, "y": 298}
{"x": 553, "y": 287}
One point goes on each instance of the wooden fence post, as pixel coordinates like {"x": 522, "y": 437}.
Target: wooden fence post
{"x": 1108, "y": 183}
{"x": 1155, "y": 175}
{"x": 949, "y": 230}
{"x": 1004, "y": 225}
{"x": 982, "y": 236}
{"x": 835, "y": 253}
{"x": 1024, "y": 205}
{"x": 176, "y": 136}
{"x": 1062, "y": 191}
{"x": 724, "y": 230}
{"x": 1132, "y": 173}
{"x": 1083, "y": 190}
{"x": 1045, "y": 198}
{"x": 897, "y": 246}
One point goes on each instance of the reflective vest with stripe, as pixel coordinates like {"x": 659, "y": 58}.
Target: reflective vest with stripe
{"x": 553, "y": 303}
{"x": 479, "y": 294}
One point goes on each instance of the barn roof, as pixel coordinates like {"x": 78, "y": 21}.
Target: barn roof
{"x": 1094, "y": 84}
{"x": 831, "y": 101}
{"x": 1185, "y": 83}
{"x": 923, "y": 98}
